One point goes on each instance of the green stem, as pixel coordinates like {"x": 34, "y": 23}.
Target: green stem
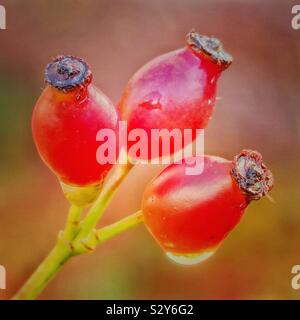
{"x": 73, "y": 222}
{"x": 120, "y": 226}
{"x": 64, "y": 248}
{"x": 59, "y": 255}
{"x": 98, "y": 208}
{"x": 62, "y": 252}
{"x": 101, "y": 235}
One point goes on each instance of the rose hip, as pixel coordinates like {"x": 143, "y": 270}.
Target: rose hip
{"x": 190, "y": 215}
{"x": 177, "y": 89}
{"x": 65, "y": 122}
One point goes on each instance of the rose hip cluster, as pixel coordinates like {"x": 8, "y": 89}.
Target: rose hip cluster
{"x": 188, "y": 215}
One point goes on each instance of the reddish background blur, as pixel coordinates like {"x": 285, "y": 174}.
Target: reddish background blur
{"x": 259, "y": 109}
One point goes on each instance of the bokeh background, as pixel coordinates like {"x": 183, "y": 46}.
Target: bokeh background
{"x": 259, "y": 109}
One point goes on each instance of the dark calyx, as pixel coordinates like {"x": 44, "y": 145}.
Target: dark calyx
{"x": 251, "y": 174}
{"x": 210, "y": 47}
{"x": 67, "y": 73}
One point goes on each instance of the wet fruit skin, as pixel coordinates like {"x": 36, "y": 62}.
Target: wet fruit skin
{"x": 65, "y": 122}
{"x": 189, "y": 214}
{"x": 175, "y": 90}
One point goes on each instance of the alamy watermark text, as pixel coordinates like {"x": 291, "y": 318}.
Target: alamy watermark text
{"x": 2, "y": 18}
{"x": 296, "y": 17}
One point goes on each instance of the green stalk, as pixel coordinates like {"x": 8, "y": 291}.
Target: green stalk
{"x": 64, "y": 248}
{"x": 101, "y": 235}
{"x": 119, "y": 227}
{"x": 73, "y": 223}
{"x": 62, "y": 252}
{"x": 59, "y": 255}
{"x": 98, "y": 208}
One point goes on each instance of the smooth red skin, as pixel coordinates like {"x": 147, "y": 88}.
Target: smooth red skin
{"x": 191, "y": 214}
{"x": 175, "y": 90}
{"x": 64, "y": 130}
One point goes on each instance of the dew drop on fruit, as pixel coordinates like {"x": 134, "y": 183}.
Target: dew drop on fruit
{"x": 192, "y": 258}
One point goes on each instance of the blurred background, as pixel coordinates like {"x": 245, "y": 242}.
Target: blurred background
{"x": 259, "y": 109}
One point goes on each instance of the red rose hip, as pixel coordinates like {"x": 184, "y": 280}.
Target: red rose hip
{"x": 176, "y": 90}
{"x": 65, "y": 122}
{"x": 190, "y": 215}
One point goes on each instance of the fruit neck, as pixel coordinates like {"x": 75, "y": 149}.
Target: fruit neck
{"x": 210, "y": 48}
{"x": 75, "y": 96}
{"x": 68, "y": 74}
{"x": 251, "y": 174}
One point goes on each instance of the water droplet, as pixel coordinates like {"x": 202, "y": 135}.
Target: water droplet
{"x": 190, "y": 258}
